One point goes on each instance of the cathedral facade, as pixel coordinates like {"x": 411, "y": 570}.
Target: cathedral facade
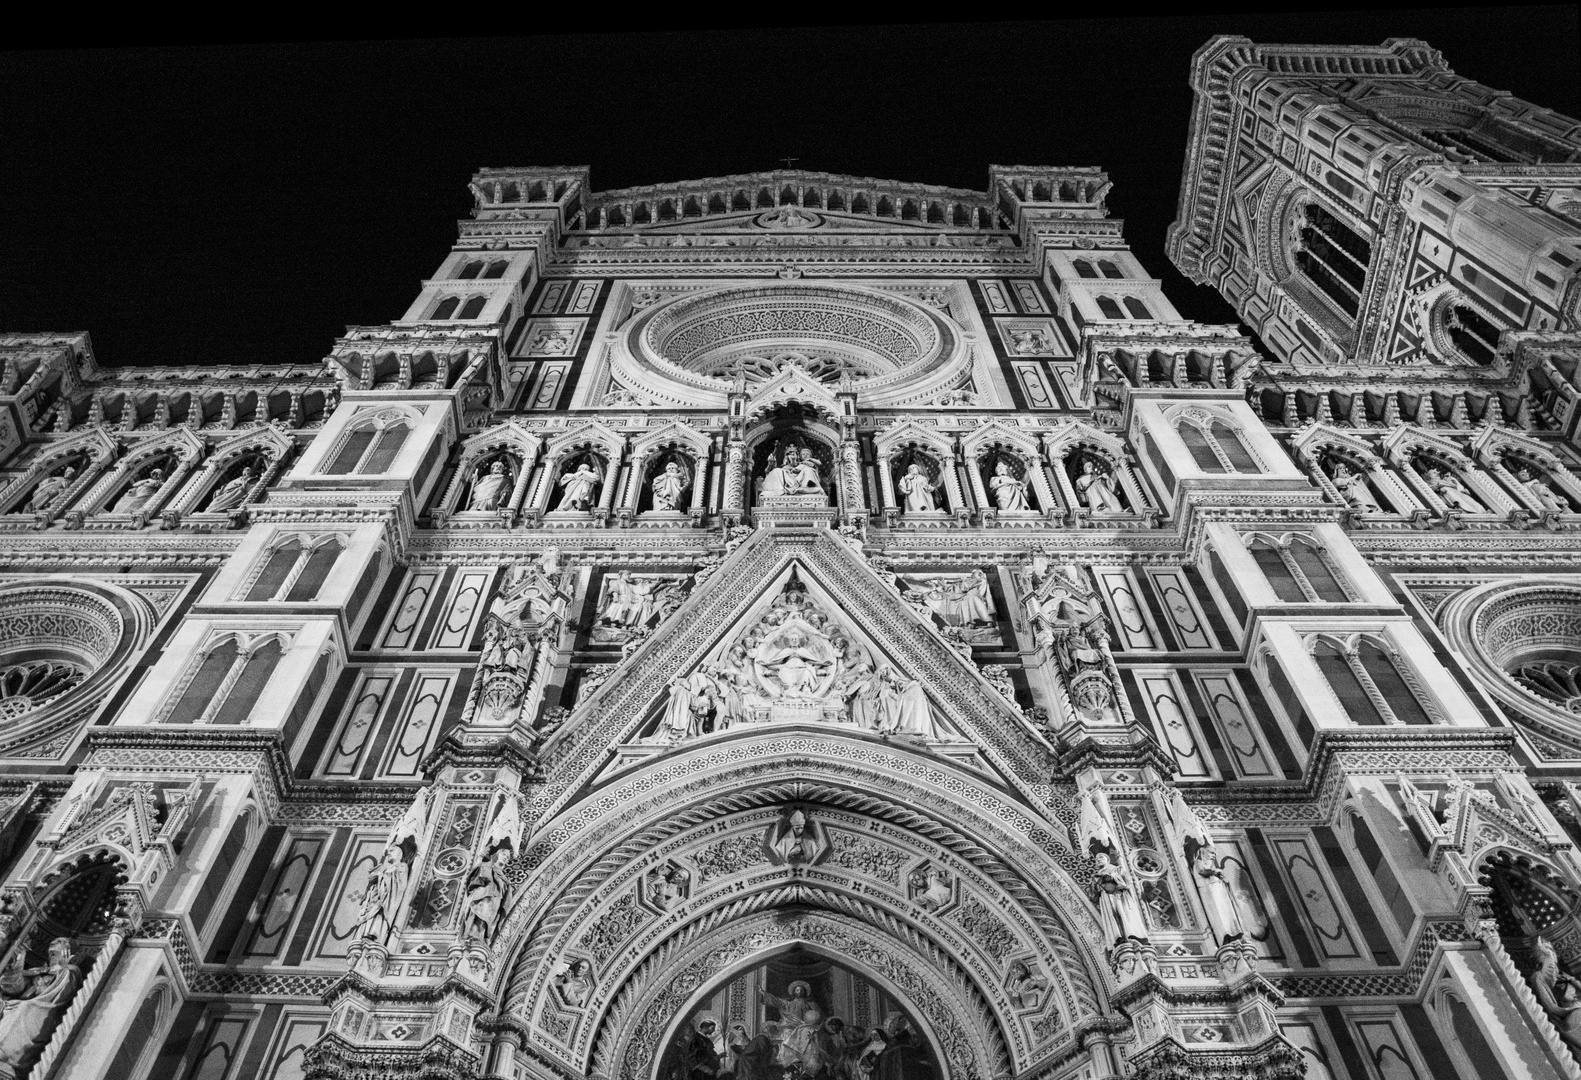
{"x": 796, "y": 626}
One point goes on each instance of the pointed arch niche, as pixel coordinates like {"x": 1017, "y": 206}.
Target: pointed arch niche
{"x": 592, "y": 445}
{"x": 236, "y": 474}
{"x": 58, "y": 477}
{"x": 651, "y": 455}
{"x": 907, "y": 443}
{"x": 515, "y": 450}
{"x": 1078, "y": 453}
{"x": 996, "y": 450}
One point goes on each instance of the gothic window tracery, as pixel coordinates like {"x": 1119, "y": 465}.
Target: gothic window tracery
{"x": 1368, "y": 679}
{"x": 26, "y": 685}
{"x": 1333, "y": 257}
{"x": 1297, "y": 570}
{"x": 1215, "y": 446}
{"x": 228, "y": 681}
{"x": 370, "y": 448}
{"x": 295, "y": 571}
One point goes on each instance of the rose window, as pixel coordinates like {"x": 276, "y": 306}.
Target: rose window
{"x": 26, "y": 686}
{"x": 1524, "y": 642}
{"x": 1557, "y": 680}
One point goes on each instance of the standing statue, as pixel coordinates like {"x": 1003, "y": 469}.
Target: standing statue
{"x": 579, "y": 489}
{"x": 1097, "y": 490}
{"x": 137, "y": 496}
{"x": 35, "y": 999}
{"x": 1355, "y": 490}
{"x": 385, "y": 895}
{"x": 1010, "y": 493}
{"x": 917, "y": 491}
{"x": 490, "y": 489}
{"x": 670, "y": 486}
{"x": 1218, "y": 897}
{"x": 486, "y": 885}
{"x": 50, "y": 488}
{"x": 693, "y": 700}
{"x": 230, "y": 494}
{"x": 1546, "y": 496}
{"x": 1452, "y": 491}
{"x": 1119, "y": 910}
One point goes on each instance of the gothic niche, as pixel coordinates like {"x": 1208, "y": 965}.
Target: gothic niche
{"x": 919, "y": 484}
{"x": 232, "y": 486}
{"x": 799, "y": 1016}
{"x": 1350, "y": 478}
{"x": 961, "y": 605}
{"x": 1447, "y": 484}
{"x": 794, "y": 663}
{"x": 791, "y": 468}
{"x": 1539, "y": 484}
{"x": 1529, "y": 902}
{"x": 49, "y": 491}
{"x": 667, "y": 488}
{"x": 580, "y": 483}
{"x": 491, "y": 483}
{"x": 1006, "y": 481}
{"x": 142, "y": 487}
{"x": 1096, "y": 483}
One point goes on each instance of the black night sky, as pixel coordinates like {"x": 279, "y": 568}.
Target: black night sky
{"x": 242, "y": 203}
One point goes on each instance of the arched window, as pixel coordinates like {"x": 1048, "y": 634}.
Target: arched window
{"x": 1231, "y": 446}
{"x": 473, "y": 308}
{"x": 1137, "y": 309}
{"x": 1109, "y": 269}
{"x": 496, "y": 269}
{"x": 1110, "y": 309}
{"x": 1344, "y": 677}
{"x": 369, "y": 450}
{"x": 1472, "y": 334}
{"x": 1370, "y": 684}
{"x": 1201, "y": 450}
{"x": 1333, "y": 257}
{"x": 227, "y": 684}
{"x": 447, "y": 307}
{"x": 1084, "y": 269}
{"x": 1298, "y": 572}
{"x": 1280, "y": 570}
{"x": 470, "y": 271}
{"x": 248, "y": 684}
{"x": 295, "y": 574}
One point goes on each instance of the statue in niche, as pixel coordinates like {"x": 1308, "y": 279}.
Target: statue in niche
{"x": 1558, "y": 993}
{"x": 1355, "y": 489}
{"x": 575, "y": 981}
{"x": 35, "y": 998}
{"x": 930, "y": 888}
{"x": 385, "y": 895}
{"x": 670, "y": 486}
{"x": 1097, "y": 488}
{"x": 138, "y": 495}
{"x": 50, "y": 489}
{"x": 579, "y": 488}
{"x": 917, "y": 488}
{"x": 1025, "y": 985}
{"x": 1452, "y": 491}
{"x": 962, "y": 601}
{"x": 491, "y": 487}
{"x": 1008, "y": 490}
{"x": 1218, "y": 896}
{"x": 486, "y": 884}
{"x": 797, "y": 472}
{"x": 231, "y": 494}
{"x": 1546, "y": 496}
{"x": 796, "y": 839}
{"x": 1119, "y": 910}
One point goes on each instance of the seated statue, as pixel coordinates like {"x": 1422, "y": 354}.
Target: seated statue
{"x": 35, "y": 999}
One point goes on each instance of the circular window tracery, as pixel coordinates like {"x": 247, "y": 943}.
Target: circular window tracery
{"x": 893, "y": 348}
{"x": 29, "y": 684}
{"x": 1524, "y": 643}
{"x": 55, "y": 641}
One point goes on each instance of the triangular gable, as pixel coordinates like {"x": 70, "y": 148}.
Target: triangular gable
{"x": 792, "y": 383}
{"x": 836, "y": 575}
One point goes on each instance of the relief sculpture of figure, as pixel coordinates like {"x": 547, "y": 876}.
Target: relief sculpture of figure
{"x": 137, "y": 496}
{"x": 796, "y": 474}
{"x": 1009, "y": 493}
{"x": 1096, "y": 488}
{"x": 230, "y": 494}
{"x": 35, "y": 999}
{"x": 905, "y": 707}
{"x": 490, "y": 489}
{"x": 1354, "y": 489}
{"x": 579, "y": 488}
{"x": 670, "y": 486}
{"x": 1546, "y": 496}
{"x": 1559, "y": 994}
{"x": 51, "y": 488}
{"x": 379, "y": 918}
{"x": 1452, "y": 491}
{"x": 917, "y": 491}
{"x": 1119, "y": 910}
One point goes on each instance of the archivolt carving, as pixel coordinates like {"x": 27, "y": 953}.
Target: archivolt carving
{"x": 750, "y": 929}
{"x": 562, "y": 903}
